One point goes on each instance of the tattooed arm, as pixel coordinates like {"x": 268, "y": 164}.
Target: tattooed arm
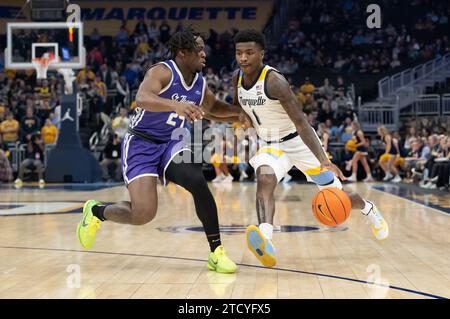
{"x": 278, "y": 88}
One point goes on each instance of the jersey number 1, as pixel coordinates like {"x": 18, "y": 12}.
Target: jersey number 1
{"x": 173, "y": 116}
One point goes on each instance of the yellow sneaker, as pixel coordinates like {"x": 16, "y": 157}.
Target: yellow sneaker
{"x": 18, "y": 183}
{"x": 88, "y": 225}
{"x": 260, "y": 246}
{"x": 219, "y": 262}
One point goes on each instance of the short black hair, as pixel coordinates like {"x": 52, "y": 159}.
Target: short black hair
{"x": 183, "y": 40}
{"x": 251, "y": 35}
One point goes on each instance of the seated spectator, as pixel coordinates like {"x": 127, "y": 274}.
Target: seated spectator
{"x": 412, "y": 135}
{"x": 49, "y": 132}
{"x": 43, "y": 90}
{"x": 107, "y": 76}
{"x": 324, "y": 134}
{"x": 212, "y": 80}
{"x": 325, "y": 113}
{"x": 291, "y": 66}
{"x": 102, "y": 89}
{"x": 346, "y": 130}
{"x": 436, "y": 170}
{"x": 9, "y": 129}
{"x": 130, "y": 74}
{"x": 153, "y": 32}
{"x": 307, "y": 87}
{"x": 327, "y": 89}
{"x": 95, "y": 37}
{"x": 333, "y": 129}
{"x": 86, "y": 73}
{"x": 2, "y": 111}
{"x": 441, "y": 169}
{"x": 120, "y": 123}
{"x": 112, "y": 155}
{"x": 6, "y": 173}
{"x": 96, "y": 105}
{"x": 34, "y": 155}
{"x": 389, "y": 160}
{"x": 420, "y": 153}
{"x": 123, "y": 91}
{"x": 29, "y": 125}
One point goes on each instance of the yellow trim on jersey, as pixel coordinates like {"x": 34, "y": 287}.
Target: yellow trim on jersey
{"x": 270, "y": 150}
{"x": 313, "y": 171}
{"x": 263, "y": 74}
{"x": 239, "y": 84}
{"x": 317, "y": 170}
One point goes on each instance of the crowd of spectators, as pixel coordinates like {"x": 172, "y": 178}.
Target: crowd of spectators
{"x": 334, "y": 35}
{"x": 29, "y": 108}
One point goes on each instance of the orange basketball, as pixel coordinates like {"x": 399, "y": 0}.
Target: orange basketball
{"x": 331, "y": 206}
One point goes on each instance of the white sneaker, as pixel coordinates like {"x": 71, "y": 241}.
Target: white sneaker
{"x": 423, "y": 184}
{"x": 41, "y": 183}
{"x": 352, "y": 178}
{"x": 434, "y": 179}
{"x": 219, "y": 178}
{"x": 378, "y": 224}
{"x": 430, "y": 185}
{"x": 388, "y": 177}
{"x": 396, "y": 179}
{"x": 227, "y": 180}
{"x": 243, "y": 176}
{"x": 368, "y": 179}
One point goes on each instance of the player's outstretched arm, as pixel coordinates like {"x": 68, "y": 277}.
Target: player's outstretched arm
{"x": 217, "y": 108}
{"x": 278, "y": 88}
{"x": 147, "y": 97}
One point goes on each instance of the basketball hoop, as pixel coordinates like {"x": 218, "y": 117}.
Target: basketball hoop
{"x": 41, "y": 64}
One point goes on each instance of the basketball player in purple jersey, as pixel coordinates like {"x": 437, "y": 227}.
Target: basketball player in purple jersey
{"x": 171, "y": 93}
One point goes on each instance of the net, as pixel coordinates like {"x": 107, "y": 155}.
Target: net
{"x": 41, "y": 64}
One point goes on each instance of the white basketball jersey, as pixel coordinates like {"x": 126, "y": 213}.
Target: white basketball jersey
{"x": 268, "y": 115}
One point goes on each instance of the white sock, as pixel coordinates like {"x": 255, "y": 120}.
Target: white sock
{"x": 266, "y": 229}
{"x": 367, "y": 207}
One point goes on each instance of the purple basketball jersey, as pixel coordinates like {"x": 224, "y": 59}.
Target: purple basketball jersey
{"x": 160, "y": 125}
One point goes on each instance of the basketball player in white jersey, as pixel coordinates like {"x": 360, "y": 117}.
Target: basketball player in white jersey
{"x": 275, "y": 113}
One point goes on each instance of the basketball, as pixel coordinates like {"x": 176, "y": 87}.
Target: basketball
{"x": 331, "y": 206}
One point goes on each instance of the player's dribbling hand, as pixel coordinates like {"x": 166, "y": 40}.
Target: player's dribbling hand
{"x": 328, "y": 166}
{"x": 189, "y": 111}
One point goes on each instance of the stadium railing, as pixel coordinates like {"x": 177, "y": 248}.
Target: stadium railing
{"x": 423, "y": 74}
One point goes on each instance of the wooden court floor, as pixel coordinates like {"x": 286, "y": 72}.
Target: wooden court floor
{"x": 40, "y": 256}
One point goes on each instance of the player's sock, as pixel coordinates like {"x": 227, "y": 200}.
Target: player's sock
{"x": 98, "y": 211}
{"x": 367, "y": 207}
{"x": 266, "y": 229}
{"x": 214, "y": 241}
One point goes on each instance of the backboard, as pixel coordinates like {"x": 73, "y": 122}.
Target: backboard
{"x": 29, "y": 40}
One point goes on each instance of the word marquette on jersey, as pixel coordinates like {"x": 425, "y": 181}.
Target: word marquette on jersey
{"x": 252, "y": 102}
